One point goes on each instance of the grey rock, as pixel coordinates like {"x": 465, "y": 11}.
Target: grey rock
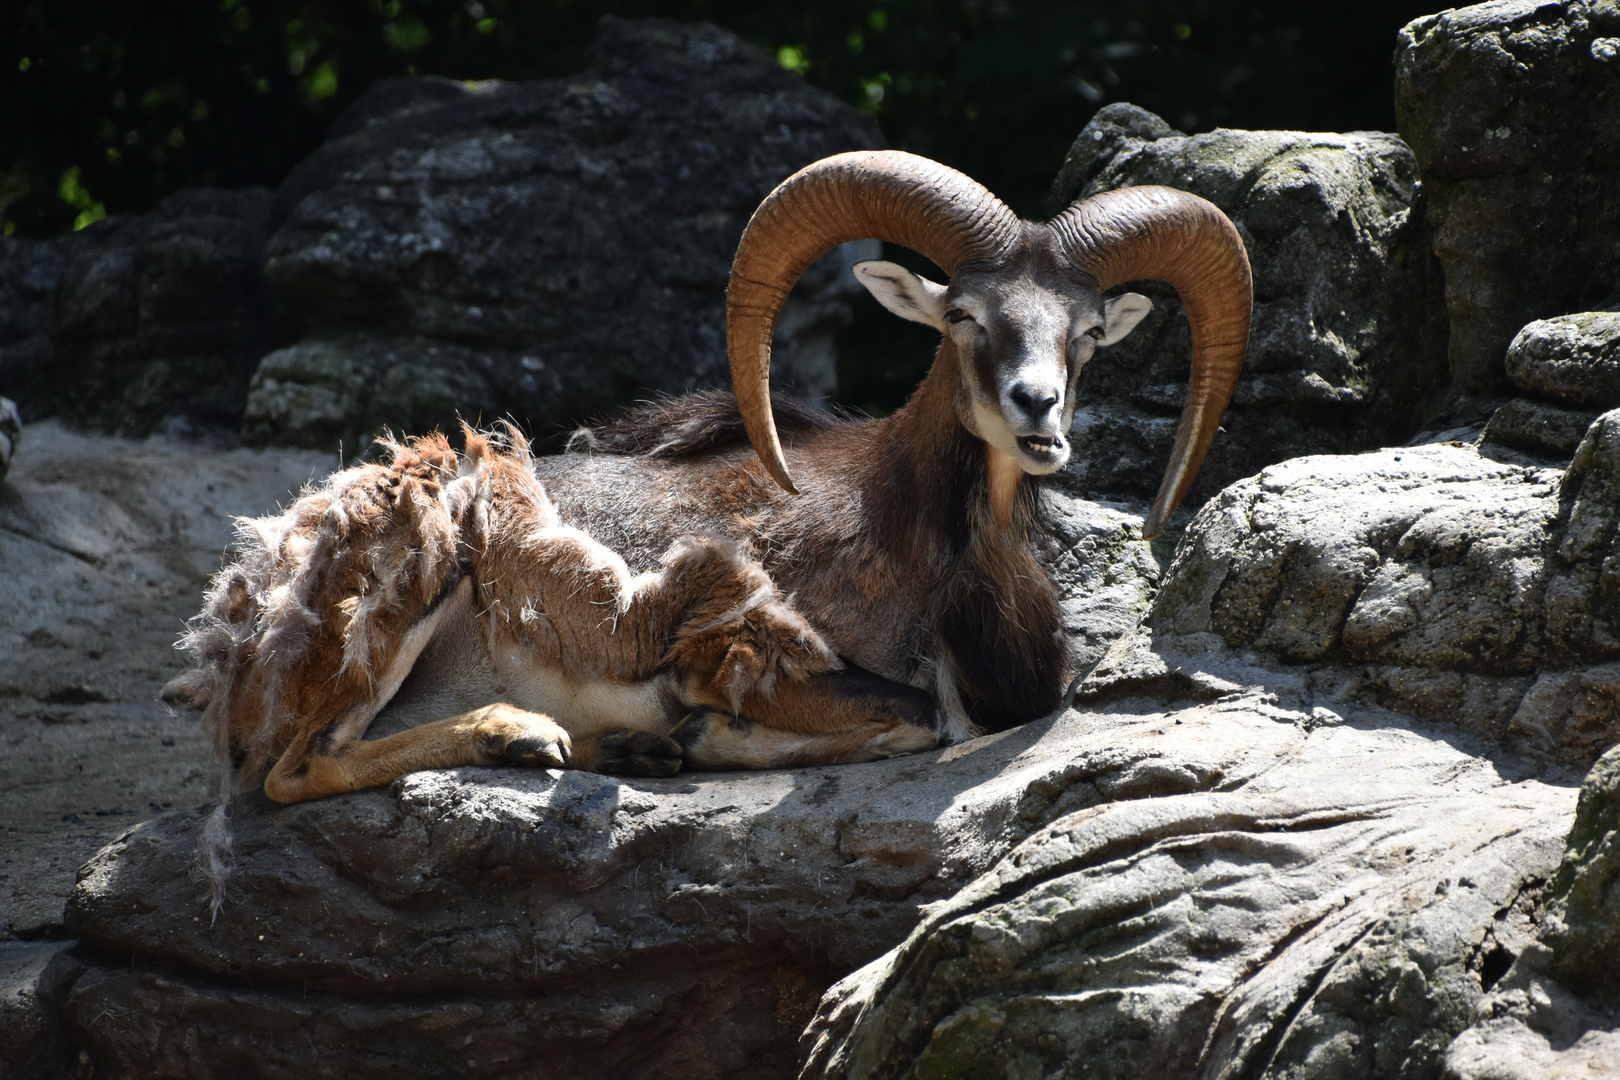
{"x": 660, "y": 928}
{"x": 1533, "y": 1028}
{"x": 549, "y": 249}
{"x": 1106, "y": 576}
{"x": 320, "y": 394}
{"x": 1583, "y": 923}
{"x": 141, "y": 320}
{"x": 34, "y": 1041}
{"x": 1427, "y": 579}
{"x": 10, "y": 433}
{"x": 1326, "y": 918}
{"x": 1573, "y": 359}
{"x": 1347, "y": 349}
{"x": 1513, "y": 111}
{"x": 1538, "y": 427}
{"x": 1554, "y": 1012}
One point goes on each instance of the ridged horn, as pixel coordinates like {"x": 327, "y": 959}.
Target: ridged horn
{"x": 891, "y": 196}
{"x": 1160, "y": 233}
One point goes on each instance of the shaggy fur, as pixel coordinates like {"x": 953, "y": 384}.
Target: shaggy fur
{"x": 312, "y": 629}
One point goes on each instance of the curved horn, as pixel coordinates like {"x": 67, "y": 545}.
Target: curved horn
{"x": 885, "y": 194}
{"x": 1173, "y": 236}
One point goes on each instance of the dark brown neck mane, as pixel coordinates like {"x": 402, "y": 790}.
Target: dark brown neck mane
{"x": 932, "y": 493}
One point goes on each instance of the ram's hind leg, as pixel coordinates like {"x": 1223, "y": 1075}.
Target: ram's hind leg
{"x": 320, "y": 764}
{"x": 840, "y": 716}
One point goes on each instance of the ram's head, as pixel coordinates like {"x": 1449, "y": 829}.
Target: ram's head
{"x": 1025, "y": 306}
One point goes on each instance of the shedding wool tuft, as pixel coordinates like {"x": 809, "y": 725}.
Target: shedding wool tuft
{"x": 319, "y": 587}
{"x": 312, "y": 611}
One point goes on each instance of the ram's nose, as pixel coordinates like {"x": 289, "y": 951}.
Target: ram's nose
{"x": 1032, "y": 408}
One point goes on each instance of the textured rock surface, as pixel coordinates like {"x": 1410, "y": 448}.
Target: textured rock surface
{"x": 1534, "y": 1028}
{"x": 1573, "y": 359}
{"x": 1427, "y": 579}
{"x": 140, "y": 319}
{"x": 547, "y": 249}
{"x": 105, "y": 545}
{"x": 1106, "y": 576}
{"x": 1513, "y": 111}
{"x": 1347, "y": 349}
{"x": 34, "y": 1042}
{"x": 1330, "y": 917}
{"x": 662, "y": 928}
{"x": 1550, "y": 430}
{"x": 1583, "y": 929}
{"x": 1532, "y": 1025}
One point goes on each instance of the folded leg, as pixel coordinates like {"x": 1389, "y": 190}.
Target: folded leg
{"x": 317, "y": 764}
{"x": 832, "y": 718}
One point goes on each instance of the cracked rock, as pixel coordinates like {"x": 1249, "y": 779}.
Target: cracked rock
{"x": 1325, "y": 918}
{"x": 1513, "y": 112}
{"x": 1348, "y": 340}
{"x": 547, "y": 250}
{"x": 1427, "y": 579}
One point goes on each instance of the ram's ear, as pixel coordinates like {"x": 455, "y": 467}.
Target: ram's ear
{"x": 1121, "y": 314}
{"x": 904, "y": 293}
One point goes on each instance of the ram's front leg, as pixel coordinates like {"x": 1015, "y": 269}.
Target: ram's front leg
{"x": 327, "y": 762}
{"x": 831, "y": 718}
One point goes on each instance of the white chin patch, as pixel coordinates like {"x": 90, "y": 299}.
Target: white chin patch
{"x": 1037, "y": 455}
{"x": 1041, "y": 454}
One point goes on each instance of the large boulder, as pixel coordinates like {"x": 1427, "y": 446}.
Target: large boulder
{"x": 1331, "y": 916}
{"x": 1428, "y": 579}
{"x": 465, "y": 920}
{"x": 142, "y": 320}
{"x": 1567, "y": 370}
{"x": 1513, "y": 111}
{"x": 544, "y": 250}
{"x": 1347, "y": 349}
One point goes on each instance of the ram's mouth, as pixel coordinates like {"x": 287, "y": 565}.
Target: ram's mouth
{"x": 1041, "y": 446}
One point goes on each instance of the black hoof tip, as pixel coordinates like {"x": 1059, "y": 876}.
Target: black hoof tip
{"x": 535, "y": 752}
{"x": 639, "y": 753}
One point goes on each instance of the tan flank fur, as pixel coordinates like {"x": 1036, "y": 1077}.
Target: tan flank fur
{"x": 532, "y": 643}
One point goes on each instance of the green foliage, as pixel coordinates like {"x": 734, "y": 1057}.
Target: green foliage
{"x": 135, "y": 101}
{"x": 72, "y": 192}
{"x": 148, "y": 98}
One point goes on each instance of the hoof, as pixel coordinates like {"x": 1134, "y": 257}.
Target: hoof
{"x": 701, "y": 724}
{"x": 639, "y": 753}
{"x": 538, "y": 751}
{"x": 506, "y": 735}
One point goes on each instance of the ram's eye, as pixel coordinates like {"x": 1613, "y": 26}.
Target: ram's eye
{"x": 956, "y": 315}
{"x": 1095, "y": 333}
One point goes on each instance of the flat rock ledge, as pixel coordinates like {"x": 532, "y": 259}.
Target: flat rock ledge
{"x": 1233, "y": 886}
{"x": 460, "y": 921}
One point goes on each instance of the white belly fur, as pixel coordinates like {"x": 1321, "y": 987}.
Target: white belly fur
{"x": 584, "y": 707}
